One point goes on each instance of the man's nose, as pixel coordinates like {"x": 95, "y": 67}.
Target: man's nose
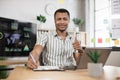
{"x": 62, "y": 21}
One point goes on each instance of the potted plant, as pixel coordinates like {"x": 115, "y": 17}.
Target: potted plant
{"x": 41, "y": 19}
{"x": 78, "y": 22}
{"x": 94, "y": 68}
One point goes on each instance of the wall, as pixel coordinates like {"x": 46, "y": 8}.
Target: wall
{"x": 27, "y": 10}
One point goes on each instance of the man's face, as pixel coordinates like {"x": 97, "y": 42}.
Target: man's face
{"x": 61, "y": 21}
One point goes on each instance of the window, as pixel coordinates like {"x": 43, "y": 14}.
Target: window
{"x": 101, "y": 18}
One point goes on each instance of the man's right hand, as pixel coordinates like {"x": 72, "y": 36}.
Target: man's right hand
{"x": 30, "y": 63}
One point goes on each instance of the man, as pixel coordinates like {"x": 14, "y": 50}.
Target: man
{"x": 57, "y": 48}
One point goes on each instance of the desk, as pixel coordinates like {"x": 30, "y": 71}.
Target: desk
{"x": 23, "y": 73}
{"x": 12, "y": 62}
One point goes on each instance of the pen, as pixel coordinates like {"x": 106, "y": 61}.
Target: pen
{"x": 32, "y": 58}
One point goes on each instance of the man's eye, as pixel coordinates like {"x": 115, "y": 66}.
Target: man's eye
{"x": 59, "y": 19}
{"x": 65, "y": 19}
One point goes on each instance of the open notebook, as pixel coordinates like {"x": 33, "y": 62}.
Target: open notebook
{"x": 49, "y": 68}
{"x": 55, "y": 68}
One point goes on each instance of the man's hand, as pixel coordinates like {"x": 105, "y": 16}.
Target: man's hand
{"x": 35, "y": 54}
{"x": 31, "y": 64}
{"x": 78, "y": 54}
{"x": 77, "y": 45}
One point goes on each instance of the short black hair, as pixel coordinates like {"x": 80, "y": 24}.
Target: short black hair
{"x": 62, "y": 10}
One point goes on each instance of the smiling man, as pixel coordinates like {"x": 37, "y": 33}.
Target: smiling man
{"x": 57, "y": 48}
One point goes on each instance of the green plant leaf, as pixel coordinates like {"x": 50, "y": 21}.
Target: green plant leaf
{"x": 82, "y": 21}
{"x": 78, "y": 21}
{"x": 94, "y": 56}
{"x": 41, "y": 18}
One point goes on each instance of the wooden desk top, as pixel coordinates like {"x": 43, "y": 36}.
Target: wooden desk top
{"x": 23, "y": 73}
{"x": 12, "y": 62}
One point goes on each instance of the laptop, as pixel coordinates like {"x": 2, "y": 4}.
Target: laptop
{"x": 104, "y": 51}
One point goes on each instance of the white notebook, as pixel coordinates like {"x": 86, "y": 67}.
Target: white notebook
{"x": 48, "y": 68}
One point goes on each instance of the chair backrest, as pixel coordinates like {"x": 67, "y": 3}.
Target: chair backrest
{"x": 85, "y": 59}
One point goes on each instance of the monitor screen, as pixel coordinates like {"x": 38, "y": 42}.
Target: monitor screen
{"x": 16, "y": 38}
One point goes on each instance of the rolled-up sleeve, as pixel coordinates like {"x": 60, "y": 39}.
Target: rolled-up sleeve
{"x": 41, "y": 38}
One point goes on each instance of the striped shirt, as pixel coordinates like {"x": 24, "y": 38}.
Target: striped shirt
{"x": 57, "y": 52}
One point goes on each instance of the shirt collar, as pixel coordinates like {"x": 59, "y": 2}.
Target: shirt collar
{"x": 69, "y": 36}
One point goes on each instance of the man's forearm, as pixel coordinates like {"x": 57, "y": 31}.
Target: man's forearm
{"x": 37, "y": 49}
{"x": 77, "y": 57}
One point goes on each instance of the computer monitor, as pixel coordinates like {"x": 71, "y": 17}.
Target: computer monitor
{"x": 17, "y": 38}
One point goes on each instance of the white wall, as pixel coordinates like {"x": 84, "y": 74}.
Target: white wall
{"x": 27, "y": 10}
